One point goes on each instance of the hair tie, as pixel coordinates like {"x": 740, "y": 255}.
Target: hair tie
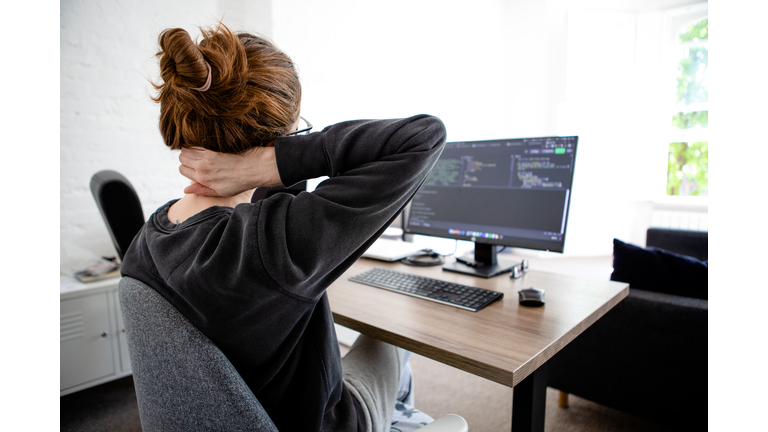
{"x": 207, "y": 84}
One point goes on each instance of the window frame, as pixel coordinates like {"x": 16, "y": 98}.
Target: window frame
{"x": 675, "y": 21}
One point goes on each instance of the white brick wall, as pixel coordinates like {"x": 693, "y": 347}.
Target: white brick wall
{"x": 497, "y": 69}
{"x": 107, "y": 118}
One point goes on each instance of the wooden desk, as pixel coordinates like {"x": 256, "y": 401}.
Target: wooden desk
{"x": 504, "y": 342}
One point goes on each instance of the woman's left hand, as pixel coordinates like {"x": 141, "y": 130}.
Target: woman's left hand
{"x": 223, "y": 174}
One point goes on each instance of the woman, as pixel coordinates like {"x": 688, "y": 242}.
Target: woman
{"x": 252, "y": 277}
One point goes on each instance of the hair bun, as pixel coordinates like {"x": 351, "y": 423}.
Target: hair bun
{"x": 254, "y": 97}
{"x": 181, "y": 62}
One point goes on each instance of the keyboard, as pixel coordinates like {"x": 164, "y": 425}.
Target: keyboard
{"x": 447, "y": 293}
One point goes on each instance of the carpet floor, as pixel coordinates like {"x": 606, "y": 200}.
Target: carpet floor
{"x": 487, "y": 406}
{"x": 439, "y": 390}
{"x": 107, "y": 407}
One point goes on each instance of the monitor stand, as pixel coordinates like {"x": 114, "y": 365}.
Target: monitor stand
{"x": 483, "y": 264}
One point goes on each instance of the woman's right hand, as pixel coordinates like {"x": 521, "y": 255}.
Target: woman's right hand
{"x": 225, "y": 175}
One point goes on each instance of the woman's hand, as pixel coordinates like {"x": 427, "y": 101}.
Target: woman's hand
{"x": 222, "y": 174}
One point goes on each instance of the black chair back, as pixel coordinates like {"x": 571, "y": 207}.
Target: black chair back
{"x": 119, "y": 206}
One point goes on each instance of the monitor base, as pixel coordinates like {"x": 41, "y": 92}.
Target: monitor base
{"x": 480, "y": 270}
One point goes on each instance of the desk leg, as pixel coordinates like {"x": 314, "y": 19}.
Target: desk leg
{"x": 529, "y": 402}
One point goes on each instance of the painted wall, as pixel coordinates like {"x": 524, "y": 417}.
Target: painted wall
{"x": 490, "y": 70}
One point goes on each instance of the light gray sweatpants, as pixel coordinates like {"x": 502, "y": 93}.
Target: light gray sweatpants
{"x": 372, "y": 373}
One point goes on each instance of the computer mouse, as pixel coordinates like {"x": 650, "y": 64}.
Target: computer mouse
{"x": 531, "y": 297}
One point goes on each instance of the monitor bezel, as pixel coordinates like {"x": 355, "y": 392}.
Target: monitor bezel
{"x": 514, "y": 242}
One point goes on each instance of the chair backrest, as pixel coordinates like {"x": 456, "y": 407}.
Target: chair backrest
{"x": 683, "y": 242}
{"x": 183, "y": 381}
{"x": 119, "y": 206}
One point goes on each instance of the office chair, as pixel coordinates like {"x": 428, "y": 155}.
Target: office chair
{"x": 184, "y": 382}
{"x": 119, "y": 206}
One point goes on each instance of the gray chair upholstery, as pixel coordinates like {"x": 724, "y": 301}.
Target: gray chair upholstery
{"x": 183, "y": 381}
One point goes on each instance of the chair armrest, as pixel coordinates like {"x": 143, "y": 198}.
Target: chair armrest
{"x": 447, "y": 423}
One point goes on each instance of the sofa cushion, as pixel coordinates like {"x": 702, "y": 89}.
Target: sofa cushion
{"x": 657, "y": 270}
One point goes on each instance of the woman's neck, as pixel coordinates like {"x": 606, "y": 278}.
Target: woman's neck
{"x": 191, "y": 204}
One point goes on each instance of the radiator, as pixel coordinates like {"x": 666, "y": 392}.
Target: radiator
{"x": 680, "y": 219}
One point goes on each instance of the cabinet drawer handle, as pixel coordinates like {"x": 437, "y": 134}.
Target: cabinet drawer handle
{"x": 103, "y": 334}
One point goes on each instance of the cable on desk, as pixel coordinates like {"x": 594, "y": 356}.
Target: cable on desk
{"x": 425, "y": 258}
{"x": 428, "y": 257}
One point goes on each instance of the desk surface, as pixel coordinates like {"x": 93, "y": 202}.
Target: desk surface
{"x": 504, "y": 342}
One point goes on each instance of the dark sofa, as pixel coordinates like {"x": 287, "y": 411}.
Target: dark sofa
{"x": 648, "y": 355}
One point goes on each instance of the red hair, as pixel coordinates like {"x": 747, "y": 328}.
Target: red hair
{"x": 254, "y": 95}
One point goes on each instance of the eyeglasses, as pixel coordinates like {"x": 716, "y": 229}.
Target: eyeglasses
{"x": 301, "y": 130}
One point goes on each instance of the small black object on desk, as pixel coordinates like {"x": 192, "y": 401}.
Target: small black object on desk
{"x": 531, "y": 297}
{"x": 519, "y": 269}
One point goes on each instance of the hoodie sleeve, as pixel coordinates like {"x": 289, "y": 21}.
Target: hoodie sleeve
{"x": 306, "y": 242}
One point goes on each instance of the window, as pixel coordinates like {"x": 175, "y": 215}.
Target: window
{"x": 687, "y": 172}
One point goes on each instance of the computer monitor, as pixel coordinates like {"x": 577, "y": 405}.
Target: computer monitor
{"x": 510, "y": 192}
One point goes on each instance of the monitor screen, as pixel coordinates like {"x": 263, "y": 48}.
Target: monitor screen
{"x": 511, "y": 192}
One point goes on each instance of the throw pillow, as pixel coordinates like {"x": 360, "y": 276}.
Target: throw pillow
{"x": 658, "y": 270}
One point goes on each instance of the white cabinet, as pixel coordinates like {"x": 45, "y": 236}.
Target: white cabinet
{"x": 86, "y": 349}
{"x": 93, "y": 349}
